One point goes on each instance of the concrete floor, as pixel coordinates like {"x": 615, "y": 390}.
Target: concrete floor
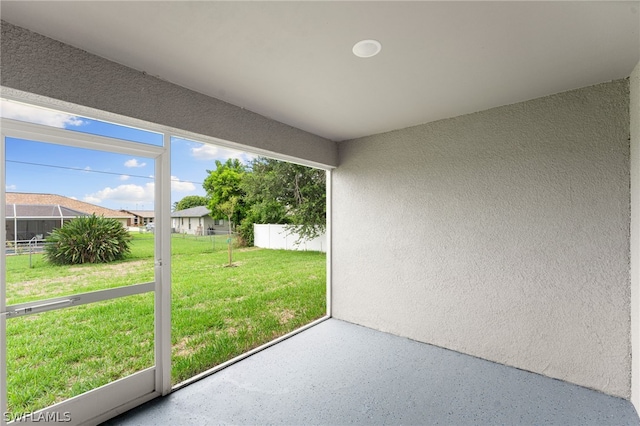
{"x": 340, "y": 373}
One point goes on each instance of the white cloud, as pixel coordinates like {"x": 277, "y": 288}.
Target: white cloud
{"x": 124, "y": 177}
{"x": 123, "y": 193}
{"x": 210, "y": 152}
{"x": 10, "y": 188}
{"x": 31, "y": 114}
{"x": 134, "y": 163}
{"x": 87, "y": 168}
{"x": 242, "y": 156}
{"x": 178, "y": 185}
{"x": 205, "y": 152}
{"x": 131, "y": 194}
{"x": 92, "y": 200}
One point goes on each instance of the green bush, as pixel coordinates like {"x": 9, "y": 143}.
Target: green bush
{"x": 90, "y": 239}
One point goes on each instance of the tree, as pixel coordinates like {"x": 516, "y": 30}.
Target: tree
{"x": 223, "y": 183}
{"x": 190, "y": 201}
{"x": 228, "y": 208}
{"x": 282, "y": 192}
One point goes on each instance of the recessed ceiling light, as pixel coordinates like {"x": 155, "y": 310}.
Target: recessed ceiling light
{"x": 367, "y": 48}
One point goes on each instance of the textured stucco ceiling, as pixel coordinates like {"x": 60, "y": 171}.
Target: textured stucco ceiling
{"x": 292, "y": 61}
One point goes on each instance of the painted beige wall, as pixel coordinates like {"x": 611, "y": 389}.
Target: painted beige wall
{"x": 39, "y": 65}
{"x": 634, "y": 109}
{"x": 503, "y": 234}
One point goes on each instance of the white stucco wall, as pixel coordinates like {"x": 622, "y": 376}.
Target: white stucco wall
{"x": 503, "y": 234}
{"x": 39, "y": 65}
{"x": 634, "y": 108}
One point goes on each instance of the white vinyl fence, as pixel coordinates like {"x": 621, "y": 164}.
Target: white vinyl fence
{"x": 277, "y": 237}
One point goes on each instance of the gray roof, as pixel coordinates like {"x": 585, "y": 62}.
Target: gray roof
{"x": 199, "y": 211}
{"x": 41, "y": 211}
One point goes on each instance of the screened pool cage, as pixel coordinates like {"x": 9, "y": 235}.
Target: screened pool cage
{"x": 29, "y": 224}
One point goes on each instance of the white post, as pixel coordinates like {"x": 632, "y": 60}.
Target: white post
{"x": 15, "y": 227}
{"x": 162, "y": 237}
{"x": 3, "y": 293}
{"x": 328, "y": 239}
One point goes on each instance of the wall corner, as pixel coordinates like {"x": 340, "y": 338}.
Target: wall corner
{"x": 634, "y": 114}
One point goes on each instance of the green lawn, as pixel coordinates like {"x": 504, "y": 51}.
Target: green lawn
{"x": 218, "y": 313}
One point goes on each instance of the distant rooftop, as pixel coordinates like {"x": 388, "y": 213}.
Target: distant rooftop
{"x": 199, "y": 211}
{"x": 141, "y": 213}
{"x": 25, "y": 198}
{"x": 41, "y": 211}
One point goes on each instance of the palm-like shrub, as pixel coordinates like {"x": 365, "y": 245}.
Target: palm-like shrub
{"x": 89, "y": 239}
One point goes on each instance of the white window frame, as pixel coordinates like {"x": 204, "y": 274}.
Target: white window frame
{"x": 143, "y": 385}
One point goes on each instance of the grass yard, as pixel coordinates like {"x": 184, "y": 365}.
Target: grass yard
{"x": 217, "y": 313}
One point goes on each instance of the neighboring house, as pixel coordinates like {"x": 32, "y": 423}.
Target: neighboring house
{"x": 27, "y": 221}
{"x": 35, "y": 215}
{"x": 197, "y": 221}
{"x": 140, "y": 217}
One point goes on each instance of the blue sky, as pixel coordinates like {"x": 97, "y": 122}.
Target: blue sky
{"x": 110, "y": 180}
